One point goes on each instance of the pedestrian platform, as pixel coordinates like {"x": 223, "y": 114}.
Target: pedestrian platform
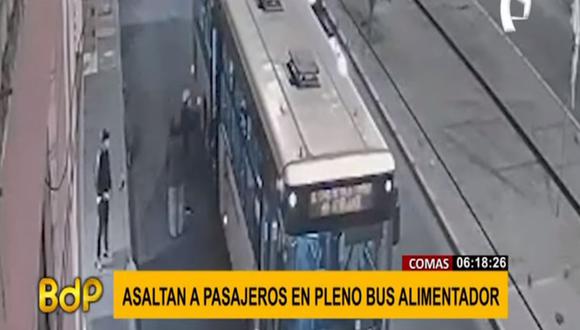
{"x": 103, "y": 109}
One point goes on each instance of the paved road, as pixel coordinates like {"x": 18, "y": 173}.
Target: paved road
{"x": 545, "y": 39}
{"x": 420, "y": 235}
{"x": 157, "y": 53}
{"x": 527, "y": 97}
{"x": 507, "y": 193}
{"x": 103, "y": 109}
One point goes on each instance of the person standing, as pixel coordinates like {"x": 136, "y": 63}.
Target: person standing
{"x": 175, "y": 168}
{"x": 103, "y": 187}
{"x": 187, "y": 121}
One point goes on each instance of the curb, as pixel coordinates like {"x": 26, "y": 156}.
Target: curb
{"x": 112, "y": 8}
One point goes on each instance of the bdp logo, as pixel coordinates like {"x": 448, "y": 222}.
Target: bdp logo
{"x": 507, "y": 20}
{"x": 50, "y": 298}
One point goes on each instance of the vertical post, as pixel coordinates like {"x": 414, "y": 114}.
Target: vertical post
{"x": 263, "y": 233}
{"x": 563, "y": 150}
{"x": 390, "y": 243}
{"x": 372, "y": 5}
{"x": 274, "y": 241}
{"x": 272, "y": 244}
{"x": 385, "y": 256}
{"x": 330, "y": 261}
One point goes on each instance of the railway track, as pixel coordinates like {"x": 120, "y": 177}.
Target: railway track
{"x": 546, "y": 165}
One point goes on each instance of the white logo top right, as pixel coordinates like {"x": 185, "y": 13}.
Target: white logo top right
{"x": 507, "y": 19}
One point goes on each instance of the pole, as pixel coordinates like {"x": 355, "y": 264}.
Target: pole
{"x": 386, "y": 257}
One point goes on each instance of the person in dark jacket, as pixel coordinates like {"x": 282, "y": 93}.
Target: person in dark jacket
{"x": 103, "y": 187}
{"x": 187, "y": 121}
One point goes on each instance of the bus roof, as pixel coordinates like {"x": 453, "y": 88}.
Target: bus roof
{"x": 329, "y": 119}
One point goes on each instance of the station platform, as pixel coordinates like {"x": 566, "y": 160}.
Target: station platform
{"x": 489, "y": 190}
{"x": 143, "y": 66}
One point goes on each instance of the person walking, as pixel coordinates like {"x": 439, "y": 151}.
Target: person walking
{"x": 176, "y": 189}
{"x": 187, "y": 121}
{"x": 103, "y": 187}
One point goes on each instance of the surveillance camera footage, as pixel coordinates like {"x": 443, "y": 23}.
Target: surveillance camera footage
{"x": 289, "y": 165}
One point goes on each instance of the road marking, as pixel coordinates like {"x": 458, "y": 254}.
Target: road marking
{"x": 529, "y": 64}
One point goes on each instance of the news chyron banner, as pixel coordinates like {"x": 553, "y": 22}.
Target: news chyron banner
{"x": 428, "y": 287}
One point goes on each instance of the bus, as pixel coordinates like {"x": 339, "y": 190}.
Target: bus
{"x": 306, "y": 180}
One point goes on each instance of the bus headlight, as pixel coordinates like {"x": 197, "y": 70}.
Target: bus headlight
{"x": 292, "y": 200}
{"x": 388, "y": 185}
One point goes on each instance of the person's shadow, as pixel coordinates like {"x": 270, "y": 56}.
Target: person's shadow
{"x": 118, "y": 260}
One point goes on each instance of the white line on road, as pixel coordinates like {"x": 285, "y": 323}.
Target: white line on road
{"x": 565, "y": 108}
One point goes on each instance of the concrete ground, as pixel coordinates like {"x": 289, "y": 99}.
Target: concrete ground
{"x": 548, "y": 50}
{"x": 157, "y": 54}
{"x": 507, "y": 195}
{"x": 103, "y": 109}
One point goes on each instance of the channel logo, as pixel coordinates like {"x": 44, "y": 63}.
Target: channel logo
{"x": 49, "y": 297}
{"x": 507, "y": 19}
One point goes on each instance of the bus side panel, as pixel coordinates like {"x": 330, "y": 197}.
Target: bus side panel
{"x": 234, "y": 222}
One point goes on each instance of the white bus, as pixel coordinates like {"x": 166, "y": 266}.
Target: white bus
{"x": 306, "y": 179}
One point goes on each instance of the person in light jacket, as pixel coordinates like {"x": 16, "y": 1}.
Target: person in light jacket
{"x": 176, "y": 189}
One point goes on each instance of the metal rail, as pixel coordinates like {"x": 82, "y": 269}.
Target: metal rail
{"x": 368, "y": 85}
